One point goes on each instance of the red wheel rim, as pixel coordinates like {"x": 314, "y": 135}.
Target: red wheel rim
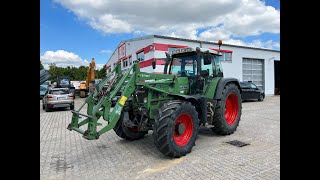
{"x": 231, "y": 109}
{"x": 133, "y": 129}
{"x": 182, "y": 138}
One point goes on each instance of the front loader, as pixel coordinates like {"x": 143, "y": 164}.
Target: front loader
{"x": 191, "y": 92}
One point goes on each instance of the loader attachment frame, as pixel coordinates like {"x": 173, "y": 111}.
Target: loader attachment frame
{"x": 99, "y": 105}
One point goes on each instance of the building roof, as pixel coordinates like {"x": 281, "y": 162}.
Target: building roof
{"x": 193, "y": 40}
{"x": 189, "y": 40}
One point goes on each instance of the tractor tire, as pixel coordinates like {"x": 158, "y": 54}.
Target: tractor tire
{"x": 127, "y": 133}
{"x": 176, "y": 127}
{"x": 228, "y": 111}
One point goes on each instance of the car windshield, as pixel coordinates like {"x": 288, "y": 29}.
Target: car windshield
{"x": 64, "y": 81}
{"x": 42, "y": 88}
{"x": 59, "y": 91}
{"x": 244, "y": 85}
{"x": 253, "y": 86}
{"x": 184, "y": 65}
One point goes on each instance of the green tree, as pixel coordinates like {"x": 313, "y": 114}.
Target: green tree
{"x": 101, "y": 73}
{"x": 41, "y": 66}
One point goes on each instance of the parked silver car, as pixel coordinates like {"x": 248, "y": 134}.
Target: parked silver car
{"x": 58, "y": 98}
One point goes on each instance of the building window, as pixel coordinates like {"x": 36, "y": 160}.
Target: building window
{"x": 140, "y": 56}
{"x": 130, "y": 60}
{"x": 226, "y": 56}
{"x": 125, "y": 63}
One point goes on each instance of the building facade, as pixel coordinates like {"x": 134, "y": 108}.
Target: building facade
{"x": 261, "y": 66}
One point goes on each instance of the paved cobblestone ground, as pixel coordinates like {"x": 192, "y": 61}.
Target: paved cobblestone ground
{"x": 66, "y": 155}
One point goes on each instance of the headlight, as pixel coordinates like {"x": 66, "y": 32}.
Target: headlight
{"x": 145, "y": 100}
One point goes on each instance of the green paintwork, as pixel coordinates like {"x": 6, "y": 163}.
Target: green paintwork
{"x": 211, "y": 87}
{"x": 159, "y": 88}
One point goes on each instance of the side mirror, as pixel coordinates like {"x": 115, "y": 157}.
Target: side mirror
{"x": 166, "y": 63}
{"x": 154, "y": 64}
{"x": 206, "y": 58}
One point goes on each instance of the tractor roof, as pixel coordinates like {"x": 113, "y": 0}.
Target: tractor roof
{"x": 190, "y": 49}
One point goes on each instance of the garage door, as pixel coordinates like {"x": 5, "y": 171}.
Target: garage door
{"x": 253, "y": 70}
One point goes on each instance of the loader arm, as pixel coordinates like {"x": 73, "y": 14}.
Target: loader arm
{"x": 97, "y": 107}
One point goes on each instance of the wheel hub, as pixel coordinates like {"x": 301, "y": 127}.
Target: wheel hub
{"x": 231, "y": 109}
{"x": 180, "y": 128}
{"x": 183, "y": 129}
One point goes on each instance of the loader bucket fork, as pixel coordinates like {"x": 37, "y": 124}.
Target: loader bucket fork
{"x": 99, "y": 103}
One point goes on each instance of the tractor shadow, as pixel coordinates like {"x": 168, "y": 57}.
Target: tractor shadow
{"x": 204, "y": 131}
{"x": 147, "y": 147}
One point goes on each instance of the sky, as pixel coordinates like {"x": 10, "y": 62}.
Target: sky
{"x": 72, "y": 32}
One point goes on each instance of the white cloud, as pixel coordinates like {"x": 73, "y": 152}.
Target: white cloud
{"x": 255, "y": 43}
{"x": 105, "y": 51}
{"x": 179, "y": 18}
{"x": 99, "y": 66}
{"x": 64, "y": 58}
{"x": 268, "y": 44}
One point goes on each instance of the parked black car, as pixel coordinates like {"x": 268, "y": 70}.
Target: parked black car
{"x": 250, "y": 91}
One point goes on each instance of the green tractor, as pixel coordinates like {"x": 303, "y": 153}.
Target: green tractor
{"x": 191, "y": 92}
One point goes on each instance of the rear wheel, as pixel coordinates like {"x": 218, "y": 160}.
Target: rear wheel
{"x": 72, "y": 107}
{"x": 176, "y": 128}
{"x": 228, "y": 111}
{"x": 127, "y": 132}
{"x": 47, "y": 108}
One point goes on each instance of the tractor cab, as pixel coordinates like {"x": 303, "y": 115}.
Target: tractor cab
{"x": 199, "y": 65}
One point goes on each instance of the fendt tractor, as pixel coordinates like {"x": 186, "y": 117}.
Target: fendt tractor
{"x": 191, "y": 92}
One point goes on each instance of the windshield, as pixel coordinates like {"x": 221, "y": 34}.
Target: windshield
{"x": 59, "y": 91}
{"x": 184, "y": 66}
{"x": 64, "y": 81}
{"x": 42, "y": 88}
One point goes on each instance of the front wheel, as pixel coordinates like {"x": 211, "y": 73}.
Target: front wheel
{"x": 228, "y": 111}
{"x": 128, "y": 133}
{"x": 176, "y": 127}
{"x": 260, "y": 97}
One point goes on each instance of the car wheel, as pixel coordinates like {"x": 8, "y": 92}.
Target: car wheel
{"x": 72, "y": 107}
{"x": 47, "y": 108}
{"x": 43, "y": 106}
{"x": 260, "y": 97}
